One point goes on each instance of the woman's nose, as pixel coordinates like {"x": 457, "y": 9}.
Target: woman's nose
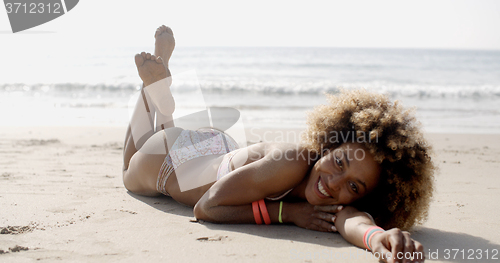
{"x": 334, "y": 182}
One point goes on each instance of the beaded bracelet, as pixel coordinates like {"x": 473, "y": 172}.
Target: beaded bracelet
{"x": 367, "y": 238}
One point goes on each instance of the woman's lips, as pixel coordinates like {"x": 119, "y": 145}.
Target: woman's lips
{"x": 320, "y": 190}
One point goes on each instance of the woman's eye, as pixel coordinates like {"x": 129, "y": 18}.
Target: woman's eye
{"x": 354, "y": 187}
{"x": 338, "y": 161}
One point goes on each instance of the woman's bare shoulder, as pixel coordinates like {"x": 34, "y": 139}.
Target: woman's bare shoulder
{"x": 280, "y": 159}
{"x": 290, "y": 151}
{"x": 289, "y": 159}
{"x": 286, "y": 152}
{"x": 268, "y": 169}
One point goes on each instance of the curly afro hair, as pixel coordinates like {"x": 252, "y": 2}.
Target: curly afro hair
{"x": 392, "y": 135}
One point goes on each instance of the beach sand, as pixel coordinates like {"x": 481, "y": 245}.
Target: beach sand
{"x": 62, "y": 199}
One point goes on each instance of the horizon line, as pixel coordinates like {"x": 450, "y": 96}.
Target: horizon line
{"x": 337, "y": 47}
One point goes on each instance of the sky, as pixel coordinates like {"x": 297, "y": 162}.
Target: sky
{"x": 442, "y": 24}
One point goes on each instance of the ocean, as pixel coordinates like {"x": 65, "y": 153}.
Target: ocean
{"x": 453, "y": 91}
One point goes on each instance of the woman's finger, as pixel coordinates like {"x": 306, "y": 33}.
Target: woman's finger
{"x": 383, "y": 254}
{"x": 326, "y": 216}
{"x": 408, "y": 248}
{"x": 324, "y": 226}
{"x": 326, "y": 221}
{"x": 396, "y": 244}
{"x": 315, "y": 227}
{"x": 419, "y": 256}
{"x": 328, "y": 208}
{"x": 312, "y": 227}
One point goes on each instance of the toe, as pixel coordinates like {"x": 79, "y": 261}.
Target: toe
{"x": 153, "y": 57}
{"x": 143, "y": 54}
{"x": 159, "y": 60}
{"x": 148, "y": 55}
{"x": 139, "y": 60}
{"x": 169, "y": 30}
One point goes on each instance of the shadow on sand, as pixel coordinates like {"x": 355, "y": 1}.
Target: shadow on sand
{"x": 439, "y": 245}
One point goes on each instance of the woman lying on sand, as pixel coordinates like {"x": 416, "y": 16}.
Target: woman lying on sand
{"x": 363, "y": 162}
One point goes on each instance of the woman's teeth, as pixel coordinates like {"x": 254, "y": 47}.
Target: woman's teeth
{"x": 322, "y": 189}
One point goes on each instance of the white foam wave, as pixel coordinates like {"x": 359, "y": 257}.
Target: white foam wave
{"x": 280, "y": 87}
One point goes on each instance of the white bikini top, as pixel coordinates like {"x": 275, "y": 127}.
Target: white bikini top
{"x": 279, "y": 197}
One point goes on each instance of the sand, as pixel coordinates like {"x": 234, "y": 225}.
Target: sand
{"x": 62, "y": 199}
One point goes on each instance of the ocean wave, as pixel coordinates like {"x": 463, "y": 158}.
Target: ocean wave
{"x": 321, "y": 87}
{"x": 68, "y": 87}
{"x": 279, "y": 87}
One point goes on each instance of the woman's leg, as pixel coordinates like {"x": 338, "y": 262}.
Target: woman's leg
{"x": 141, "y": 126}
{"x": 155, "y": 101}
{"x": 144, "y": 166}
{"x": 143, "y": 152}
{"x": 163, "y": 101}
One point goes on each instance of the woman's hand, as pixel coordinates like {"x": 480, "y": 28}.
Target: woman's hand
{"x": 397, "y": 246}
{"x": 305, "y": 215}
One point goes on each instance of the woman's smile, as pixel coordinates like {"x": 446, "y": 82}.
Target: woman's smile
{"x": 322, "y": 189}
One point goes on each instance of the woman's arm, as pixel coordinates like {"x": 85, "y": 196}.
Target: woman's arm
{"x": 352, "y": 225}
{"x": 234, "y": 214}
{"x": 254, "y": 181}
{"x": 302, "y": 214}
{"x": 390, "y": 246}
{"x": 229, "y": 199}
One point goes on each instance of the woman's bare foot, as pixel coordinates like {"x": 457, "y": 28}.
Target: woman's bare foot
{"x": 150, "y": 67}
{"x": 164, "y": 43}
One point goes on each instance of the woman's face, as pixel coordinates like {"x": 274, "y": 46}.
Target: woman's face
{"x": 342, "y": 176}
